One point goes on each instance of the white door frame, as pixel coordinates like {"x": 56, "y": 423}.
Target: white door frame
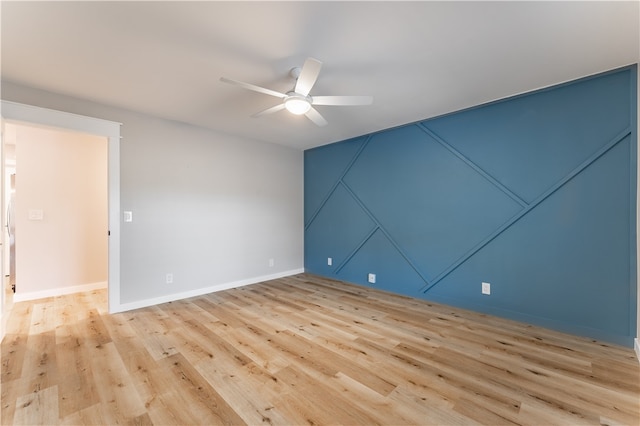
{"x": 21, "y": 113}
{"x": 3, "y": 240}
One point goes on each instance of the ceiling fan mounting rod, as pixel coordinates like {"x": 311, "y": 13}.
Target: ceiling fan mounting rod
{"x": 295, "y": 72}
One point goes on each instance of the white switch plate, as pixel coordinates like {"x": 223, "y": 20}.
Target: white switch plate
{"x": 372, "y": 278}
{"x": 486, "y": 288}
{"x": 329, "y": 261}
{"x": 128, "y": 216}
{"x": 36, "y": 214}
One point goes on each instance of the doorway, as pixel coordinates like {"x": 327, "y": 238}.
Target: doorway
{"x": 37, "y": 116}
{"x": 58, "y": 218}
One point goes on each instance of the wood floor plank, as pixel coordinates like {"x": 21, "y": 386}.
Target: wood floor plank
{"x": 13, "y": 349}
{"x": 253, "y": 342}
{"x": 73, "y": 358}
{"x": 158, "y": 390}
{"x": 253, "y": 407}
{"x": 303, "y": 350}
{"x": 114, "y": 384}
{"x": 42, "y": 317}
{"x": 214, "y": 409}
{"x": 174, "y": 407}
{"x": 613, "y": 373}
{"x": 153, "y": 326}
{"x": 39, "y": 407}
{"x": 10, "y": 392}
{"x": 96, "y": 414}
{"x": 41, "y": 370}
{"x": 320, "y": 404}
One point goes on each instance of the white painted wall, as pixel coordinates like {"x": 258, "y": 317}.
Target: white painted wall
{"x": 211, "y": 209}
{"x": 63, "y": 175}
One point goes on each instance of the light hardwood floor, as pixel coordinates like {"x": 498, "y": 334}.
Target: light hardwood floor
{"x": 303, "y": 350}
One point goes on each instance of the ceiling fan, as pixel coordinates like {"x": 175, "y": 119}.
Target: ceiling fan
{"x": 298, "y": 101}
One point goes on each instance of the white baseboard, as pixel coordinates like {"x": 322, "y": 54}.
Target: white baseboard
{"x": 199, "y": 292}
{"x": 33, "y": 295}
{"x": 636, "y": 346}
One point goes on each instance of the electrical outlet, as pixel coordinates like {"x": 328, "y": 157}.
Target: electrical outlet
{"x": 169, "y": 278}
{"x": 486, "y": 288}
{"x": 329, "y": 261}
{"x": 372, "y": 278}
{"x": 271, "y": 263}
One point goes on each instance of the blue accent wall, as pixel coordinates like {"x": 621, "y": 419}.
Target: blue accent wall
{"x": 534, "y": 194}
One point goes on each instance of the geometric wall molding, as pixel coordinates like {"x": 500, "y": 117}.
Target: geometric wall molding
{"x": 535, "y": 194}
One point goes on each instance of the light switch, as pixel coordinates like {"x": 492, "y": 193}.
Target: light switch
{"x": 36, "y": 214}
{"x": 128, "y": 216}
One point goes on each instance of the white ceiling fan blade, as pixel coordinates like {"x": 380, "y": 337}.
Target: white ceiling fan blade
{"x": 253, "y": 87}
{"x": 315, "y": 116}
{"x": 308, "y": 76}
{"x": 342, "y": 100}
{"x": 269, "y": 110}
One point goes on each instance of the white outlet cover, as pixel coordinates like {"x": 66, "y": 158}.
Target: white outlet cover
{"x": 329, "y": 261}
{"x": 486, "y": 288}
{"x": 372, "y": 278}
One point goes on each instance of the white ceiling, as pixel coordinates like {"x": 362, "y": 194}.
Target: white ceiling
{"x": 418, "y": 59}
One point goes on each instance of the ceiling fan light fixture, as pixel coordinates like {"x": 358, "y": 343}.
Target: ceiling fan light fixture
{"x": 297, "y": 105}
{"x": 298, "y": 101}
